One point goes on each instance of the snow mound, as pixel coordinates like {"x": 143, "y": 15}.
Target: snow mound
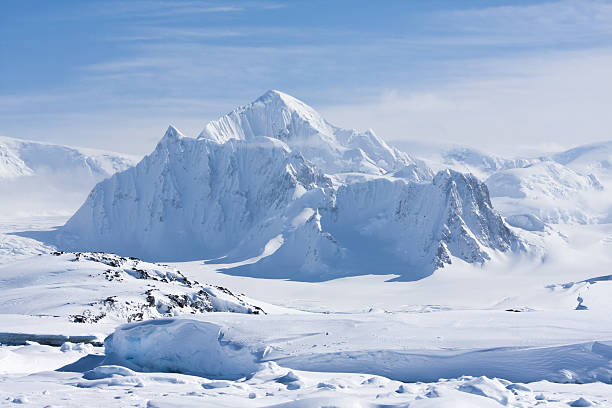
{"x": 490, "y": 388}
{"x": 285, "y": 340}
{"x": 267, "y": 186}
{"x": 107, "y": 371}
{"x": 185, "y": 346}
{"x": 581, "y": 402}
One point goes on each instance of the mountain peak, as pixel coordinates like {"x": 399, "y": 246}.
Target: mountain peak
{"x": 274, "y": 114}
{"x": 171, "y": 136}
{"x": 173, "y": 133}
{"x": 280, "y": 116}
{"x": 279, "y": 98}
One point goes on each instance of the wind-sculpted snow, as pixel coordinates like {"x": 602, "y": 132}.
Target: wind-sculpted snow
{"x": 181, "y": 346}
{"x": 230, "y": 347}
{"x": 276, "y": 188}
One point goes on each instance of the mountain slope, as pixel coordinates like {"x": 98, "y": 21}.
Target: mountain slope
{"x": 38, "y": 158}
{"x": 284, "y": 205}
{"x": 596, "y": 157}
{"x": 41, "y": 178}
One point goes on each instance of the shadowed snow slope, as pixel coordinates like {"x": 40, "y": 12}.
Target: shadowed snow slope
{"x": 275, "y": 187}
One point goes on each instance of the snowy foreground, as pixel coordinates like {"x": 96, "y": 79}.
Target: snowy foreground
{"x": 507, "y": 303}
{"x": 515, "y": 339}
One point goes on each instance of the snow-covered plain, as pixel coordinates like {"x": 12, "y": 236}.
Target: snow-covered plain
{"x": 525, "y": 328}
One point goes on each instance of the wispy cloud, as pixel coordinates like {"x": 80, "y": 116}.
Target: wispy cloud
{"x": 479, "y": 75}
{"x": 550, "y": 23}
{"x": 154, "y": 9}
{"x": 551, "y": 101}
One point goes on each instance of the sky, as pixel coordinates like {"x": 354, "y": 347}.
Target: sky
{"x": 506, "y": 76}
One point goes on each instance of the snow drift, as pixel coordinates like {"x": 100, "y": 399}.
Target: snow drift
{"x": 220, "y": 350}
{"x": 183, "y": 346}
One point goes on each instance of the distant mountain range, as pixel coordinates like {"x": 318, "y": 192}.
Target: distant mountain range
{"x": 47, "y": 179}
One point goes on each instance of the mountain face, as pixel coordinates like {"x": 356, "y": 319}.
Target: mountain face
{"x": 275, "y": 190}
{"x": 41, "y": 178}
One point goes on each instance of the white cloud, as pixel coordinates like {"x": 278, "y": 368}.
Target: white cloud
{"x": 547, "y": 101}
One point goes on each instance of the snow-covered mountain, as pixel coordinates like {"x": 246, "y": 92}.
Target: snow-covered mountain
{"x": 276, "y": 187}
{"x": 480, "y": 163}
{"x": 592, "y": 158}
{"x": 565, "y": 187}
{"x": 40, "y": 178}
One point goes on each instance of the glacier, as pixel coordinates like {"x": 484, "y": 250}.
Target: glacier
{"x": 275, "y": 185}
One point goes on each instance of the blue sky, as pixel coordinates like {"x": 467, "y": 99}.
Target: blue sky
{"x": 503, "y": 75}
